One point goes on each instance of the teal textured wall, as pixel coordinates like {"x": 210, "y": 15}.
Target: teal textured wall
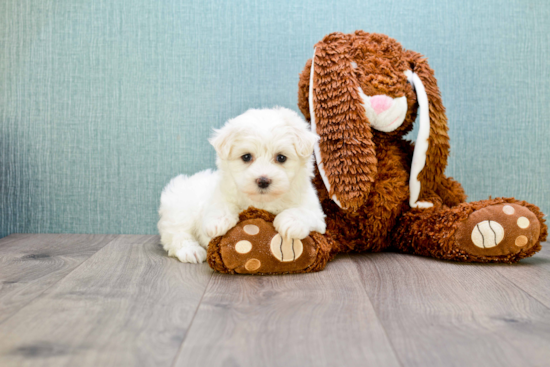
{"x": 102, "y": 102}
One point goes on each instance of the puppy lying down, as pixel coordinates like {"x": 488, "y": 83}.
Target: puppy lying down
{"x": 264, "y": 160}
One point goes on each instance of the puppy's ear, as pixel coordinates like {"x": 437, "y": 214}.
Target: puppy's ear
{"x": 222, "y": 140}
{"x": 304, "y": 139}
{"x": 304, "y": 142}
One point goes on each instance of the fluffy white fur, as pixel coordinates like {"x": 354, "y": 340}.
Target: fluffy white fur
{"x": 195, "y": 209}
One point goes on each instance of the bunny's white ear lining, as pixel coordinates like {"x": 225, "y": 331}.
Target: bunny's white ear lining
{"x": 421, "y": 145}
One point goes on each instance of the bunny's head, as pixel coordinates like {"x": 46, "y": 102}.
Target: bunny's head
{"x": 362, "y": 85}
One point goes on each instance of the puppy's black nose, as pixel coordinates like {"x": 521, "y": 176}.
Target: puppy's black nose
{"x": 263, "y": 182}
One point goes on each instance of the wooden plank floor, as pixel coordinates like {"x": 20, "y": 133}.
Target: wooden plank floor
{"x": 106, "y": 300}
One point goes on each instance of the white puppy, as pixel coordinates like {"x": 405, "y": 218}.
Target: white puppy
{"x": 264, "y": 160}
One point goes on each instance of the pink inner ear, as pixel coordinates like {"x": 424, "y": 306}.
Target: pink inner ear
{"x": 380, "y": 103}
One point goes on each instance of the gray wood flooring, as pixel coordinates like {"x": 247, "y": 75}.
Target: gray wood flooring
{"x": 107, "y": 300}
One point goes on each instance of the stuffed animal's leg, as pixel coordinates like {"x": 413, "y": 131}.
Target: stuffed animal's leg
{"x": 498, "y": 230}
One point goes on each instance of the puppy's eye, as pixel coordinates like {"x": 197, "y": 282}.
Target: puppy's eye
{"x": 246, "y": 157}
{"x": 281, "y": 158}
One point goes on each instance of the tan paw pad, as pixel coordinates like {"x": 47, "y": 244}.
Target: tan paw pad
{"x": 487, "y": 234}
{"x": 521, "y": 241}
{"x": 523, "y": 222}
{"x": 252, "y": 265}
{"x": 251, "y": 229}
{"x": 286, "y": 250}
{"x": 508, "y": 209}
{"x": 243, "y": 247}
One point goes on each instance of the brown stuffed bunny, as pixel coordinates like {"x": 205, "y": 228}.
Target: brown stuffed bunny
{"x": 362, "y": 93}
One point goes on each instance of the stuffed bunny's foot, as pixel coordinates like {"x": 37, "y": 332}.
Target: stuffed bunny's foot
{"x": 499, "y": 232}
{"x": 254, "y": 246}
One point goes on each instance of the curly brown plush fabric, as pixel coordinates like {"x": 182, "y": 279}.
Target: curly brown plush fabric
{"x": 368, "y": 170}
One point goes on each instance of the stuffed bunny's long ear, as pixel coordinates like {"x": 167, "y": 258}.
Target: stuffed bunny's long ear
{"x": 316, "y": 149}
{"x": 345, "y": 152}
{"x": 432, "y": 144}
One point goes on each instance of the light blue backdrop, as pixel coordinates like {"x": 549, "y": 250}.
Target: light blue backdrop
{"x": 102, "y": 102}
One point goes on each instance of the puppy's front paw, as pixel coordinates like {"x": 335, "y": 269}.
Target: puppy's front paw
{"x": 191, "y": 254}
{"x": 289, "y": 225}
{"x": 320, "y": 226}
{"x": 219, "y": 226}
